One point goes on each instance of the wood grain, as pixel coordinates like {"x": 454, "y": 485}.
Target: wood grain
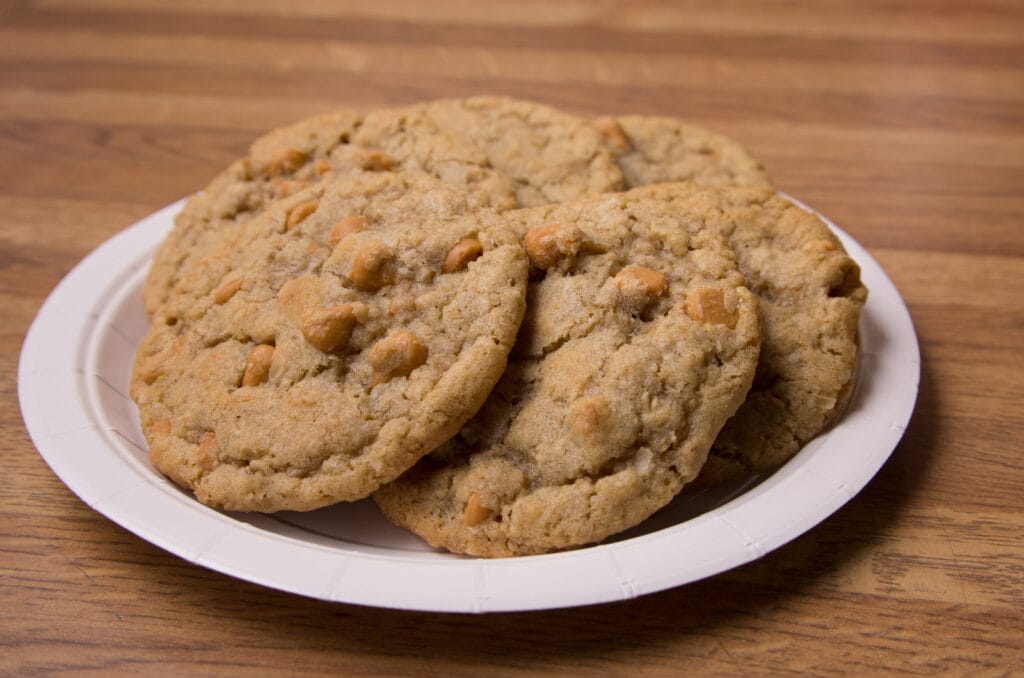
{"x": 904, "y": 122}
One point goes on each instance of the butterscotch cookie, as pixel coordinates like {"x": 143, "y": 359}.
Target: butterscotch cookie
{"x": 357, "y": 325}
{"x": 810, "y": 297}
{"x": 506, "y": 153}
{"x": 653, "y": 150}
{"x": 638, "y": 343}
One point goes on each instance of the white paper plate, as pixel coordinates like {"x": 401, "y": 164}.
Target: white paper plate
{"x": 73, "y": 383}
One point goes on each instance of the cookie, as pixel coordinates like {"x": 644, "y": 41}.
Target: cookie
{"x": 809, "y": 289}
{"x": 549, "y": 155}
{"x": 638, "y": 343}
{"x": 654, "y": 150}
{"x": 358, "y": 324}
{"x": 810, "y": 298}
{"x": 506, "y": 153}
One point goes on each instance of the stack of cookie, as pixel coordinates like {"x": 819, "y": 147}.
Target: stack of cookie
{"x": 519, "y": 330}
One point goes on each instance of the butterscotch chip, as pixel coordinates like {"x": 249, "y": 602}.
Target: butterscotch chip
{"x": 161, "y": 354}
{"x": 346, "y": 387}
{"x": 649, "y": 281}
{"x": 375, "y": 161}
{"x": 346, "y": 226}
{"x": 823, "y": 245}
{"x": 396, "y": 356}
{"x": 257, "y": 365}
{"x": 505, "y": 153}
{"x": 161, "y": 427}
{"x": 613, "y": 133}
{"x": 207, "y": 452}
{"x": 152, "y": 370}
{"x": 298, "y": 297}
{"x": 640, "y": 286}
{"x": 298, "y": 213}
{"x": 589, "y": 419}
{"x": 463, "y": 252}
{"x": 707, "y": 305}
{"x": 549, "y": 244}
{"x": 285, "y": 187}
{"x": 329, "y": 329}
{"x": 322, "y": 166}
{"x": 601, "y": 416}
{"x": 227, "y": 289}
{"x": 285, "y": 161}
{"x": 475, "y": 512}
{"x": 372, "y": 267}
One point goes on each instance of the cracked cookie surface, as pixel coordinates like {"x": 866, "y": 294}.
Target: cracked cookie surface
{"x": 810, "y": 298}
{"x": 506, "y": 153}
{"x": 353, "y": 327}
{"x": 638, "y": 343}
{"x": 653, "y": 150}
{"x": 809, "y": 290}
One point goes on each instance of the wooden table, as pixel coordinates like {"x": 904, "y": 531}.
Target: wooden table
{"x": 904, "y": 122}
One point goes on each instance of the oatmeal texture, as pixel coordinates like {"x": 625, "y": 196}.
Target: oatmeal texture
{"x": 614, "y": 393}
{"x": 298, "y": 369}
{"x": 506, "y": 153}
{"x": 809, "y": 296}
